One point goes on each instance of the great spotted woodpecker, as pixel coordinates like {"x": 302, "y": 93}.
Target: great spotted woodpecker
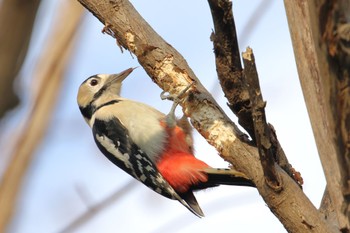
{"x": 150, "y": 146}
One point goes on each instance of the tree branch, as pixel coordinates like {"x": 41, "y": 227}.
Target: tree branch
{"x": 261, "y": 129}
{"x": 97, "y": 208}
{"x": 326, "y": 88}
{"x": 16, "y": 23}
{"x": 48, "y": 77}
{"x": 228, "y": 63}
{"x": 171, "y": 72}
{"x": 236, "y": 84}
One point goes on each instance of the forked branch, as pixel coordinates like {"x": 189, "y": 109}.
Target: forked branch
{"x": 171, "y": 72}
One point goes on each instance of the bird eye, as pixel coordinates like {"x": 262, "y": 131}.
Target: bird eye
{"x": 93, "y": 82}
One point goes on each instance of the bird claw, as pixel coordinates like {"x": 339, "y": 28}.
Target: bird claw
{"x": 166, "y": 96}
{"x": 176, "y": 98}
{"x": 170, "y": 118}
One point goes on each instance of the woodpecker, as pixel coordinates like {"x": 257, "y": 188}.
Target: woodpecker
{"x": 154, "y": 148}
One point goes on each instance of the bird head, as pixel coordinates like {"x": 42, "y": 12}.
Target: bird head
{"x": 98, "y": 90}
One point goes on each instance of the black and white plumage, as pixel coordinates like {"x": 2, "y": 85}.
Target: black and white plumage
{"x": 118, "y": 149}
{"x": 103, "y": 109}
{"x": 150, "y": 146}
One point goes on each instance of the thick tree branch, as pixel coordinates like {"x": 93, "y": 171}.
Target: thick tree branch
{"x": 228, "y": 63}
{"x": 16, "y": 23}
{"x": 171, "y": 72}
{"x": 323, "y": 69}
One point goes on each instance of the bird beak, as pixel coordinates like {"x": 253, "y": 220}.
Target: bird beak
{"x": 118, "y": 78}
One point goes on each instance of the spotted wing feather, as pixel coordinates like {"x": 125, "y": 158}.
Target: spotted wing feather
{"x": 112, "y": 139}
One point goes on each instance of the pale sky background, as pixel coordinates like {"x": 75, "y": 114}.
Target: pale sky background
{"x": 68, "y": 159}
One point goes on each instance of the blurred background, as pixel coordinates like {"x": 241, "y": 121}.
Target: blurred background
{"x": 61, "y": 182}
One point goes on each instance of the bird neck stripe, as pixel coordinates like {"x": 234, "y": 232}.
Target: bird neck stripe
{"x": 105, "y": 104}
{"x": 87, "y": 111}
{"x": 90, "y": 109}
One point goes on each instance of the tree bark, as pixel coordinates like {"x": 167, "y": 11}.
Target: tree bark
{"x": 323, "y": 67}
{"x": 171, "y": 72}
{"x": 242, "y": 90}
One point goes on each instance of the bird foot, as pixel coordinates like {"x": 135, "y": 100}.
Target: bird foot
{"x": 170, "y": 118}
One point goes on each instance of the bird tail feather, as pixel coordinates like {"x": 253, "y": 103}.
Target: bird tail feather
{"x": 217, "y": 176}
{"x": 193, "y": 205}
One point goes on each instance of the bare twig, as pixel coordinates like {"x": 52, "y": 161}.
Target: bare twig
{"x": 97, "y": 208}
{"x": 49, "y": 73}
{"x": 281, "y": 158}
{"x": 261, "y": 128}
{"x": 254, "y": 19}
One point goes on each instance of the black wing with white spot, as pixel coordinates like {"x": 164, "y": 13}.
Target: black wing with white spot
{"x": 113, "y": 140}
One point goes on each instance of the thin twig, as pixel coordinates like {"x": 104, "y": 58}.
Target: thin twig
{"x": 93, "y": 210}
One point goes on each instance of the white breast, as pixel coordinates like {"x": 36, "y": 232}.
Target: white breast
{"x": 142, "y": 122}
